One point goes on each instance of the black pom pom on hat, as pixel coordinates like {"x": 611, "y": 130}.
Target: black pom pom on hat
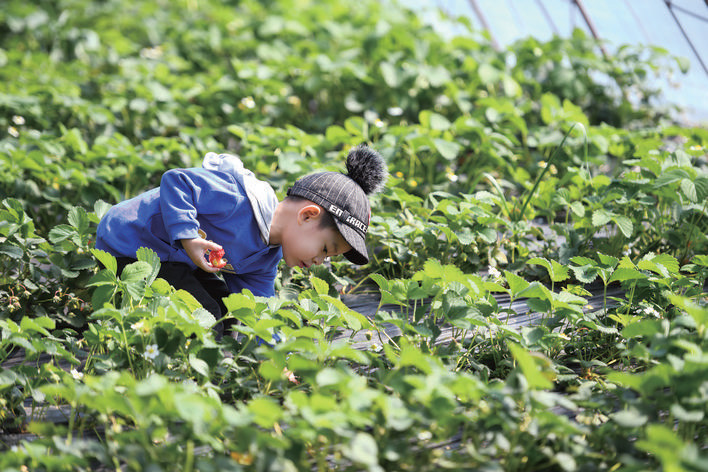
{"x": 367, "y": 168}
{"x": 344, "y": 196}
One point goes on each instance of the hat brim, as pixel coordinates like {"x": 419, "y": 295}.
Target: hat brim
{"x": 358, "y": 253}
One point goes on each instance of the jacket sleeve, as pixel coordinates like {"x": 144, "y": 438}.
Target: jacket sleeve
{"x": 178, "y": 195}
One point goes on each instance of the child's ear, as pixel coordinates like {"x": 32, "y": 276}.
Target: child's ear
{"x": 309, "y": 212}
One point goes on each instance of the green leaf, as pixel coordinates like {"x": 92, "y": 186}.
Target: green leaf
{"x": 601, "y": 217}
{"x": 24, "y": 343}
{"x": 437, "y": 76}
{"x": 535, "y": 377}
{"x": 238, "y": 301}
{"x": 329, "y": 376}
{"x": 578, "y": 209}
{"x": 701, "y": 185}
{"x": 204, "y": 318}
{"x": 683, "y": 63}
{"x": 662, "y": 439}
{"x": 447, "y": 149}
{"x": 626, "y": 263}
{"x": 646, "y": 264}
{"x": 625, "y": 379}
{"x": 11, "y": 250}
{"x": 583, "y": 261}
{"x": 488, "y": 235}
{"x": 381, "y": 281}
{"x": 559, "y": 272}
{"x": 136, "y": 272}
{"x": 270, "y": 372}
{"x": 434, "y": 121}
{"x": 556, "y": 271}
{"x": 585, "y": 274}
{"x": 8, "y": 377}
{"x": 562, "y": 196}
{"x": 535, "y": 290}
{"x": 671, "y": 176}
{"x": 363, "y": 450}
{"x": 150, "y": 257}
{"x": 447, "y": 273}
{"x": 100, "y": 208}
{"x": 266, "y": 411}
{"x": 139, "y": 105}
{"x": 540, "y": 261}
{"x": 289, "y": 162}
{"x": 336, "y": 134}
{"x": 689, "y": 416}
{"x": 689, "y": 189}
{"x": 624, "y": 224}
{"x": 136, "y": 289}
{"x": 642, "y": 328}
{"x": 566, "y": 461}
{"x": 74, "y": 140}
{"x": 189, "y": 300}
{"x": 356, "y": 126}
{"x": 78, "y": 218}
{"x": 102, "y": 295}
{"x": 199, "y": 365}
{"x": 569, "y": 298}
{"x": 388, "y": 298}
{"x": 151, "y": 385}
{"x": 354, "y": 319}
{"x": 631, "y": 418}
{"x": 108, "y": 260}
{"x": 103, "y": 277}
{"x": 488, "y": 74}
{"x": 511, "y": 86}
{"x": 622, "y": 274}
{"x": 411, "y": 356}
{"x": 238, "y": 131}
{"x": 433, "y": 269}
{"x": 38, "y": 325}
{"x": 492, "y": 114}
{"x": 392, "y": 75}
{"x": 533, "y": 335}
{"x": 321, "y": 287}
{"x": 607, "y": 261}
{"x": 697, "y": 312}
{"x": 61, "y": 233}
{"x": 516, "y": 283}
{"x": 668, "y": 261}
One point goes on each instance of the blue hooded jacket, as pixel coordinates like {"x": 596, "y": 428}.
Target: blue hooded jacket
{"x": 221, "y": 202}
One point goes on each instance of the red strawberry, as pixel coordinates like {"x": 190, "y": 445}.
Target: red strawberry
{"x": 216, "y": 258}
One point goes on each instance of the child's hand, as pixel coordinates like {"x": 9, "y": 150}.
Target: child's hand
{"x": 197, "y": 248}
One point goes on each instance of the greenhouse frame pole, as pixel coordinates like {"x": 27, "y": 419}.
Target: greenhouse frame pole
{"x": 685, "y": 35}
{"x": 591, "y": 25}
{"x": 548, "y": 16}
{"x": 483, "y": 20}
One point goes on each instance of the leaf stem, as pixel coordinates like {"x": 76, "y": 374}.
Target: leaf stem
{"x": 548, "y": 166}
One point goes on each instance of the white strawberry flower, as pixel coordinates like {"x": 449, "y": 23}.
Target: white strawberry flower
{"x": 137, "y": 326}
{"x": 151, "y": 351}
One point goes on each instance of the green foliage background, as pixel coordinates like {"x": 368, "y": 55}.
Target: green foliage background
{"x": 98, "y": 99}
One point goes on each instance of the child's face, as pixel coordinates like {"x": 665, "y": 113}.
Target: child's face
{"x": 305, "y": 243}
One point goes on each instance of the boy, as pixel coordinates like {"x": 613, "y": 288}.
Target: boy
{"x": 223, "y": 206}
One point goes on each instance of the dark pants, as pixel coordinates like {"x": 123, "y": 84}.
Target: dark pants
{"x": 207, "y": 288}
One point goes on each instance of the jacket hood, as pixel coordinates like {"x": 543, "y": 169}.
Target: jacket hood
{"x": 260, "y": 194}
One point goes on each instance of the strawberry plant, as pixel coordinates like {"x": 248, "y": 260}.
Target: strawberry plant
{"x": 535, "y": 297}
